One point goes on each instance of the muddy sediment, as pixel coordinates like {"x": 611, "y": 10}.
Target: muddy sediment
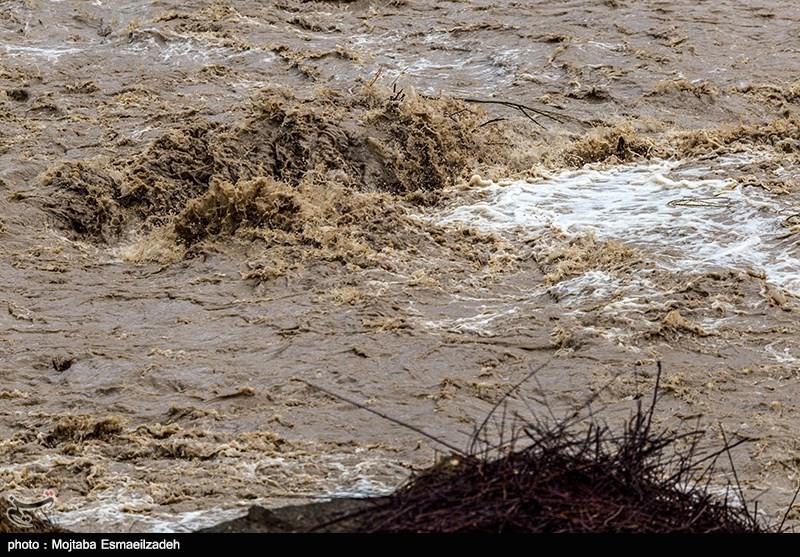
{"x": 204, "y": 212}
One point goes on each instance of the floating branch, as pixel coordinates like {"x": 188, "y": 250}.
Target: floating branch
{"x": 385, "y": 416}
{"x": 493, "y": 120}
{"x": 526, "y": 110}
{"x": 562, "y": 479}
{"x": 397, "y": 94}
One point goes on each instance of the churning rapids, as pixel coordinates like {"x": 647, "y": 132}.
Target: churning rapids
{"x": 206, "y": 211}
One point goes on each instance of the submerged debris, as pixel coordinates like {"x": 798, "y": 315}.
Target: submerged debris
{"x": 565, "y": 481}
{"x": 565, "y": 478}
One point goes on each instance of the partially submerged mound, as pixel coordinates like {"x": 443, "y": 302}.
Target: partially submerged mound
{"x": 562, "y": 483}
{"x": 570, "y": 476}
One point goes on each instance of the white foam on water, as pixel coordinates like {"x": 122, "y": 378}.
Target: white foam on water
{"x": 479, "y": 324}
{"x": 592, "y": 284}
{"x": 686, "y": 223}
{"x": 52, "y": 54}
{"x": 782, "y": 356}
{"x": 358, "y": 480}
{"x": 188, "y": 50}
{"x": 613, "y": 47}
{"x": 112, "y": 515}
{"x": 128, "y": 507}
{"x": 442, "y": 66}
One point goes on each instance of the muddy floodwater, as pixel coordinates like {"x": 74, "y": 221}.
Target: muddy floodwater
{"x": 210, "y": 209}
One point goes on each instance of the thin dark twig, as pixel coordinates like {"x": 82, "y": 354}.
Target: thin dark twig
{"x": 560, "y": 118}
{"x": 385, "y": 417}
{"x": 788, "y": 509}
{"x": 492, "y": 121}
{"x": 507, "y": 394}
{"x": 727, "y": 448}
{"x": 655, "y": 397}
{"x": 457, "y": 112}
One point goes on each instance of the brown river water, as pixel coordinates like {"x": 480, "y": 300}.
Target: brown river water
{"x": 209, "y": 208}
